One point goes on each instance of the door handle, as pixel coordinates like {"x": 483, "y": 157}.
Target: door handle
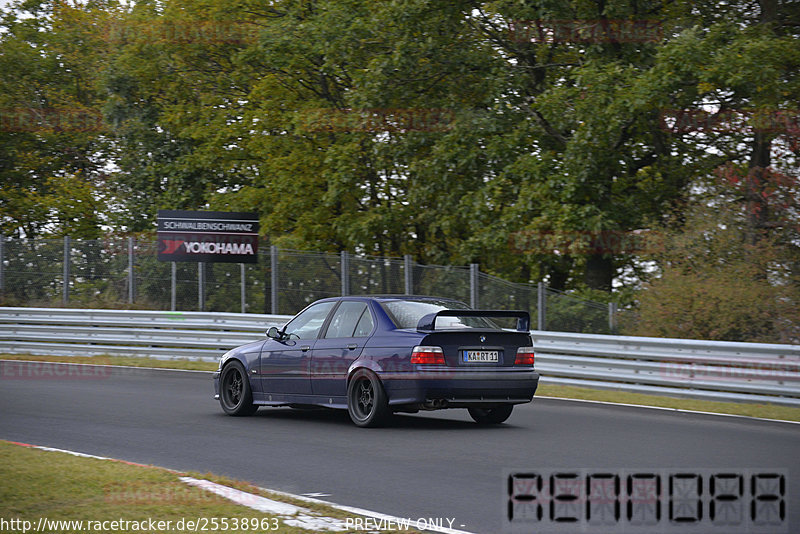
{"x": 305, "y": 348}
{"x": 352, "y": 346}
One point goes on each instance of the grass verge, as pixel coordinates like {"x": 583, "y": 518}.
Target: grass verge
{"x": 764, "y": 411}
{"x": 56, "y": 486}
{"x": 130, "y": 361}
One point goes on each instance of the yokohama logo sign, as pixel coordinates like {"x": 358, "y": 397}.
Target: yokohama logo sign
{"x": 210, "y": 236}
{"x": 196, "y": 247}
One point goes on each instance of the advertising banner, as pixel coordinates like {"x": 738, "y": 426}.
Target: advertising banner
{"x": 207, "y": 236}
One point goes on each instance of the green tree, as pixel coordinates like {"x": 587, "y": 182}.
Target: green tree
{"x": 51, "y": 130}
{"x": 530, "y": 137}
{"x": 713, "y": 283}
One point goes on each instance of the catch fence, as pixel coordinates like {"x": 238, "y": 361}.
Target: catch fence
{"x": 126, "y": 273}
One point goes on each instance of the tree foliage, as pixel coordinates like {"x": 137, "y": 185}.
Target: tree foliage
{"x": 51, "y": 142}
{"x": 717, "y": 284}
{"x": 519, "y": 135}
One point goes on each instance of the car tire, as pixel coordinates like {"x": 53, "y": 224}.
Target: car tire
{"x": 491, "y": 416}
{"x": 366, "y": 400}
{"x": 235, "y": 395}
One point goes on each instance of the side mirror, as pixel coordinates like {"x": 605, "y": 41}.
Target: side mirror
{"x": 273, "y": 333}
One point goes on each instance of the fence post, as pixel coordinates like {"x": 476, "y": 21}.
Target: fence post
{"x": 243, "y": 293}
{"x": 65, "y": 287}
{"x": 473, "y": 285}
{"x": 345, "y": 268}
{"x": 409, "y": 274}
{"x": 541, "y": 307}
{"x": 273, "y": 264}
{"x": 201, "y": 286}
{"x": 612, "y": 317}
{"x": 173, "y": 300}
{"x": 131, "y": 263}
{"x": 2, "y": 264}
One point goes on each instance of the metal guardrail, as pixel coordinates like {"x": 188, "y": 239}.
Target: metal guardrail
{"x": 159, "y": 334}
{"x": 711, "y": 370}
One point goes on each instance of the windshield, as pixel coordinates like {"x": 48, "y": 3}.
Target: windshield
{"x": 407, "y": 313}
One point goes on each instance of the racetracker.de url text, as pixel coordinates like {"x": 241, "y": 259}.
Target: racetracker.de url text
{"x": 197, "y": 524}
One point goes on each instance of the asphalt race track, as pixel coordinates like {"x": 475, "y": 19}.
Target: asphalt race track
{"x": 431, "y": 465}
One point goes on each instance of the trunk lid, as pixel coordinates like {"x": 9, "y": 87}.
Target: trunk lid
{"x": 478, "y": 347}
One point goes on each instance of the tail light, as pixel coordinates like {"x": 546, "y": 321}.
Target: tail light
{"x": 427, "y": 355}
{"x": 524, "y": 356}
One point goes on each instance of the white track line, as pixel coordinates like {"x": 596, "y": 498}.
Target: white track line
{"x": 368, "y": 513}
{"x": 289, "y": 514}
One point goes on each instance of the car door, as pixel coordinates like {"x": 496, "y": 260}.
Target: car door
{"x": 284, "y": 364}
{"x": 342, "y": 342}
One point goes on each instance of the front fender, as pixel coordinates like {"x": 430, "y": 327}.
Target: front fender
{"x": 248, "y": 355}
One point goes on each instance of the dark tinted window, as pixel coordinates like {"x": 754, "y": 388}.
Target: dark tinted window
{"x": 407, "y": 313}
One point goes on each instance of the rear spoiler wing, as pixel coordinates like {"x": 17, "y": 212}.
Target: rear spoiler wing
{"x": 428, "y": 322}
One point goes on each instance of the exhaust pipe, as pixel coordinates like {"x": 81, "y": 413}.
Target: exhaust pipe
{"x": 436, "y": 404}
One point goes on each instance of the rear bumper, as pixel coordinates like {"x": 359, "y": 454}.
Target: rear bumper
{"x": 461, "y": 388}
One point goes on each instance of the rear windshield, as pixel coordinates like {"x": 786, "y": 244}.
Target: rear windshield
{"x": 407, "y": 313}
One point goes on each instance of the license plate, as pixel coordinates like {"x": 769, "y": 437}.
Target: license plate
{"x": 481, "y": 356}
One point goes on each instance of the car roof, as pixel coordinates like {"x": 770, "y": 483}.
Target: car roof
{"x": 389, "y": 298}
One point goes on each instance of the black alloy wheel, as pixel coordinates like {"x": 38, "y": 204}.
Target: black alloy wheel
{"x": 235, "y": 396}
{"x": 366, "y": 400}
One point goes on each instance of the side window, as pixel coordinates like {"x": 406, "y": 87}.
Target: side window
{"x": 307, "y": 324}
{"x": 365, "y": 324}
{"x": 346, "y": 320}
